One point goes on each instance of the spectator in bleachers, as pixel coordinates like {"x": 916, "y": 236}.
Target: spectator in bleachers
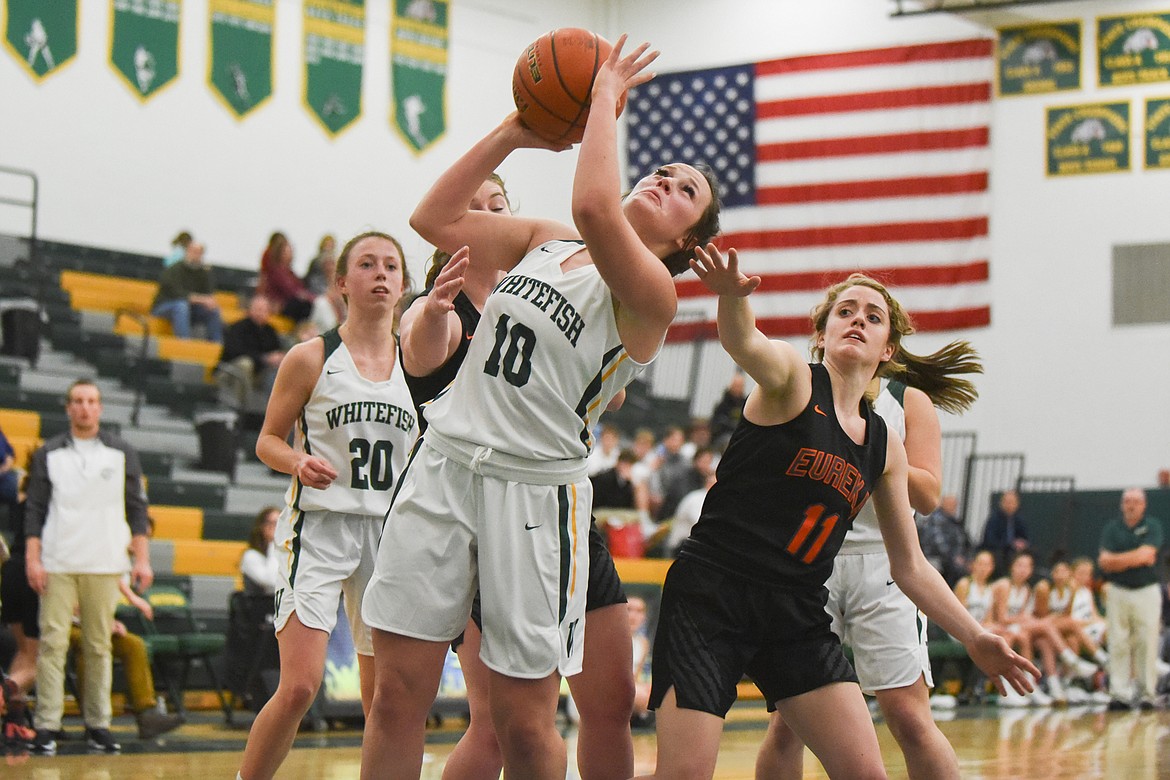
{"x": 604, "y": 455}
{"x": 679, "y": 483}
{"x": 253, "y": 349}
{"x": 85, "y": 509}
{"x": 329, "y": 307}
{"x": 18, "y": 611}
{"x": 186, "y": 296}
{"x": 944, "y": 540}
{"x": 686, "y": 515}
{"x": 643, "y": 447}
{"x": 260, "y": 566}
{"x": 280, "y": 284}
{"x": 178, "y": 249}
{"x": 9, "y": 474}
{"x": 728, "y": 411}
{"x": 1005, "y": 533}
{"x": 614, "y": 488}
{"x": 640, "y": 636}
{"x": 671, "y": 464}
{"x": 319, "y": 277}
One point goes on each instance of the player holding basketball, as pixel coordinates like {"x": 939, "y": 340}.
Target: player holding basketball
{"x": 497, "y": 494}
{"x": 869, "y": 612}
{"x": 436, "y": 332}
{"x": 355, "y": 426}
{"x": 747, "y": 591}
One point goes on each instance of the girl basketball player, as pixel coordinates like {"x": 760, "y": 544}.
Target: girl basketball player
{"x": 974, "y": 590}
{"x": 747, "y": 591}
{"x": 355, "y": 426}
{"x": 436, "y": 332}
{"x": 868, "y": 610}
{"x": 497, "y": 494}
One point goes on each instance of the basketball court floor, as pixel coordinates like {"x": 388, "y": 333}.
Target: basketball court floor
{"x": 1057, "y": 744}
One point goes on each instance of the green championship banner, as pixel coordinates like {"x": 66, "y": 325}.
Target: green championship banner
{"x": 1158, "y": 133}
{"x": 41, "y": 34}
{"x": 334, "y": 50}
{"x": 1039, "y": 58}
{"x": 418, "y": 70}
{"x": 240, "y": 62}
{"x": 144, "y": 43}
{"x": 1091, "y": 138}
{"x": 1133, "y": 49}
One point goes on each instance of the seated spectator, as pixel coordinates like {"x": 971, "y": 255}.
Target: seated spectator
{"x": 678, "y": 484}
{"x": 944, "y": 540}
{"x": 604, "y": 455}
{"x": 18, "y": 610}
{"x": 698, "y": 437}
{"x": 671, "y": 464}
{"x": 615, "y": 488}
{"x": 1005, "y": 533}
{"x": 329, "y": 307}
{"x": 9, "y": 474}
{"x": 131, "y": 650}
{"x": 686, "y": 515}
{"x": 259, "y": 565}
{"x": 178, "y": 249}
{"x": 253, "y": 350}
{"x": 186, "y": 296}
{"x": 280, "y": 284}
{"x": 728, "y": 411}
{"x": 319, "y": 277}
{"x": 1055, "y": 604}
{"x": 640, "y": 636}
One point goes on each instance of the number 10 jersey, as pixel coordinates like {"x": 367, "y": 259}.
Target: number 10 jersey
{"x": 365, "y": 429}
{"x": 545, "y": 361}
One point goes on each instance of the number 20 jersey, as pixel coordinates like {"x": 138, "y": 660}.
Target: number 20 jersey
{"x": 545, "y": 361}
{"x": 786, "y": 494}
{"x": 365, "y": 429}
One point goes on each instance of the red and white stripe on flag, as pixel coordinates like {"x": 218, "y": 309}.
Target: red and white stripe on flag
{"x": 873, "y": 161}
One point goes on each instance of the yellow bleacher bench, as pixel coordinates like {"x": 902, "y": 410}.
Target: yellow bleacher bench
{"x": 177, "y": 522}
{"x": 202, "y": 556}
{"x": 20, "y": 422}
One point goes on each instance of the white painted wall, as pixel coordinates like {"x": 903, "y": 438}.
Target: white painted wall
{"x": 1064, "y": 386}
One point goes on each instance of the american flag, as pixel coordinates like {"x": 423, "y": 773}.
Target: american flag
{"x": 873, "y": 161}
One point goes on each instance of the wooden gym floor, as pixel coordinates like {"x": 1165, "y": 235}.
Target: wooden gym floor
{"x": 1056, "y": 744}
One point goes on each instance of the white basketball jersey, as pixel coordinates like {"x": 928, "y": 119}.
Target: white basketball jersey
{"x": 1083, "y": 605}
{"x": 1058, "y": 599}
{"x": 545, "y": 361}
{"x": 865, "y": 529}
{"x": 364, "y": 429}
{"x": 979, "y": 601}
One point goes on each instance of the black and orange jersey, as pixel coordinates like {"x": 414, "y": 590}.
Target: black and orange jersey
{"x": 786, "y": 494}
{"x": 425, "y": 388}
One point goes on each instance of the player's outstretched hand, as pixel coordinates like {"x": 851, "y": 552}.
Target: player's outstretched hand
{"x": 722, "y": 277}
{"x": 999, "y": 662}
{"x": 448, "y": 283}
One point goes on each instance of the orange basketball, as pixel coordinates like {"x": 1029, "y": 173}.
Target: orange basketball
{"x": 553, "y": 81}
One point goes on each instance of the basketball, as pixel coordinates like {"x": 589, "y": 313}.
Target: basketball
{"x": 553, "y": 81}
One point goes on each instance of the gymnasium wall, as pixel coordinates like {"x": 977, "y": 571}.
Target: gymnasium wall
{"x": 1077, "y": 395}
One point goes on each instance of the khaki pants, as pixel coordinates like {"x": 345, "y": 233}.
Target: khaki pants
{"x": 1132, "y": 615}
{"x": 95, "y": 596}
{"x": 131, "y": 650}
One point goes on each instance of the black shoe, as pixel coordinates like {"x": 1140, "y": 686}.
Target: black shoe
{"x": 101, "y": 741}
{"x": 152, "y": 723}
{"x": 43, "y": 744}
{"x": 1117, "y": 705}
{"x": 1146, "y": 705}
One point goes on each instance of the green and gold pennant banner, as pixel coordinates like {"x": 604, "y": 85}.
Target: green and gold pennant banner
{"x": 418, "y": 70}
{"x": 1133, "y": 49}
{"x": 240, "y": 69}
{"x": 334, "y": 51}
{"x": 144, "y": 44}
{"x": 1039, "y": 58}
{"x": 1091, "y": 138}
{"x": 41, "y": 34}
{"x": 1158, "y": 133}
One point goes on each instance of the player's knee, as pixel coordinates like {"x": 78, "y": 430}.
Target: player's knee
{"x": 910, "y": 725}
{"x": 298, "y": 695}
{"x": 612, "y": 702}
